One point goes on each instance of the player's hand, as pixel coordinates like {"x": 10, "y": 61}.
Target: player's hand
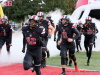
{"x": 74, "y": 34}
{"x": 23, "y": 50}
{"x": 54, "y": 38}
{"x": 70, "y": 40}
{"x": 10, "y": 44}
{"x": 49, "y": 36}
{"x": 59, "y": 42}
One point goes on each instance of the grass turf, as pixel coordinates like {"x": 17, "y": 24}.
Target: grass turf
{"x": 81, "y": 61}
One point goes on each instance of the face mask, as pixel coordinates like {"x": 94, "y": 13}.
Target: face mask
{"x": 4, "y": 21}
{"x": 34, "y": 25}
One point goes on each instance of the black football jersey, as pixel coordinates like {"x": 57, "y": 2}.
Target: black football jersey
{"x": 32, "y": 36}
{"x": 67, "y": 32}
{"x": 6, "y": 32}
{"x": 79, "y": 28}
{"x": 89, "y": 29}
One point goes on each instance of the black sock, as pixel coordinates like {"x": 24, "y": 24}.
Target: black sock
{"x": 75, "y": 63}
{"x": 63, "y": 69}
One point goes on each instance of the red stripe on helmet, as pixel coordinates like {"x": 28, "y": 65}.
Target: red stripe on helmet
{"x": 34, "y": 17}
{"x": 3, "y": 16}
{"x": 88, "y": 17}
{"x": 39, "y": 13}
{"x": 63, "y": 16}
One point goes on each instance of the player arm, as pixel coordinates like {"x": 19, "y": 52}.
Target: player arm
{"x": 51, "y": 28}
{"x": 59, "y": 38}
{"x": 53, "y": 25}
{"x": 97, "y": 31}
{"x": 10, "y": 35}
{"x": 59, "y": 35}
{"x": 24, "y": 41}
{"x": 76, "y": 32}
{"x": 55, "y": 32}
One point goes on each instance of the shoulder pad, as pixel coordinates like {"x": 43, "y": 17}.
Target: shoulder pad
{"x": 24, "y": 27}
{"x": 74, "y": 25}
{"x": 10, "y": 26}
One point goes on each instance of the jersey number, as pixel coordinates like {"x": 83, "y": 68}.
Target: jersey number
{"x": 31, "y": 41}
{"x": 89, "y": 31}
{"x": 64, "y": 35}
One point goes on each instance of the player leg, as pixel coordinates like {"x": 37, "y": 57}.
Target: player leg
{"x": 94, "y": 42}
{"x": 1, "y": 44}
{"x": 77, "y": 45}
{"x": 86, "y": 42}
{"x": 27, "y": 63}
{"x": 37, "y": 61}
{"x": 72, "y": 55}
{"x": 70, "y": 60}
{"x": 80, "y": 42}
{"x": 63, "y": 58}
{"x": 48, "y": 53}
{"x": 8, "y": 47}
{"x": 66, "y": 59}
{"x": 43, "y": 61}
{"x": 90, "y": 49}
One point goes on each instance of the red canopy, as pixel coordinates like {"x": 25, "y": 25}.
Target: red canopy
{"x": 81, "y": 2}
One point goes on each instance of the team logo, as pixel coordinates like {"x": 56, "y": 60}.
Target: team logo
{"x": 30, "y": 35}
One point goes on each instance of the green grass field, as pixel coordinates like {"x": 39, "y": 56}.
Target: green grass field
{"x": 81, "y": 60}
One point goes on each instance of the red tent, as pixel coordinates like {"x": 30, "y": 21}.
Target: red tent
{"x": 81, "y": 2}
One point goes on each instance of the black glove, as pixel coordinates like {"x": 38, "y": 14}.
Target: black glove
{"x": 49, "y": 36}
{"x": 95, "y": 37}
{"x": 54, "y": 38}
{"x": 23, "y": 50}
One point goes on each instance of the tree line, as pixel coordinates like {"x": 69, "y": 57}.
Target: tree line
{"x": 22, "y": 8}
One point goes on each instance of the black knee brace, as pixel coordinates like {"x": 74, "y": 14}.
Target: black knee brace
{"x": 26, "y": 65}
{"x": 63, "y": 61}
{"x": 73, "y": 57}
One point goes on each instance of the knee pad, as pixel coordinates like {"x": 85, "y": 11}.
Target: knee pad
{"x": 63, "y": 61}
{"x": 26, "y": 65}
{"x": 73, "y": 57}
